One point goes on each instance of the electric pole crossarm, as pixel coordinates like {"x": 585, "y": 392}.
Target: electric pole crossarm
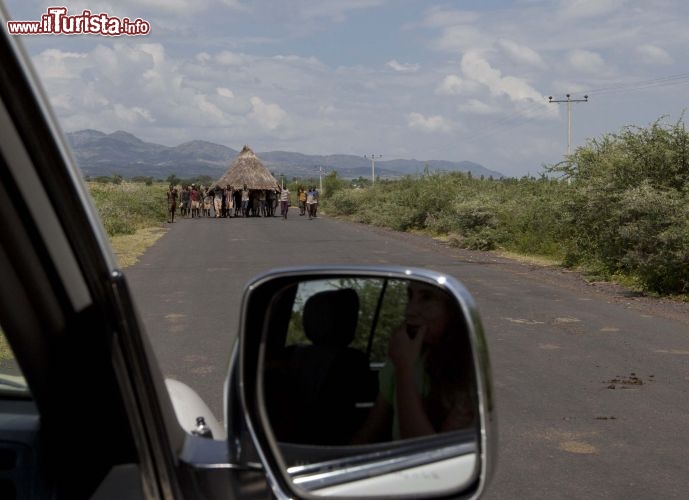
{"x": 569, "y": 102}
{"x": 373, "y": 166}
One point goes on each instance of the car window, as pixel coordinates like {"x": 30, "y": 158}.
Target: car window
{"x": 549, "y": 131}
{"x": 381, "y": 304}
{"x": 12, "y": 382}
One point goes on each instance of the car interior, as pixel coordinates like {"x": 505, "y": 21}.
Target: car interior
{"x": 318, "y": 391}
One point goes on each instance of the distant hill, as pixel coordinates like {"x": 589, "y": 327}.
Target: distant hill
{"x": 98, "y": 153}
{"x": 122, "y": 153}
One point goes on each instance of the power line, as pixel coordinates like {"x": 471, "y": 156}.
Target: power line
{"x": 519, "y": 117}
{"x": 513, "y": 121}
{"x": 665, "y": 81}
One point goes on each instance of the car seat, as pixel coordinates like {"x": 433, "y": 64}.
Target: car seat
{"x": 324, "y": 380}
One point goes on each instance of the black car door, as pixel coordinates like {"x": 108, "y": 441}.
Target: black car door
{"x": 93, "y": 416}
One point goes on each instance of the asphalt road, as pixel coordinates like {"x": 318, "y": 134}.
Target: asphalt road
{"x": 591, "y": 383}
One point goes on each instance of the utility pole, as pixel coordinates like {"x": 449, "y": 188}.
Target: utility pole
{"x": 373, "y": 166}
{"x": 320, "y": 178}
{"x": 569, "y": 102}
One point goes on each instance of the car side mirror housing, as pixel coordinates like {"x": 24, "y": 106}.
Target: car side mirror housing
{"x": 366, "y": 382}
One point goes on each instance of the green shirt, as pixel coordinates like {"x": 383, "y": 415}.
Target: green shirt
{"x": 387, "y": 385}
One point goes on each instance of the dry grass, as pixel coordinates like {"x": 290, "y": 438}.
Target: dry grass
{"x": 5, "y": 351}
{"x": 529, "y": 259}
{"x": 129, "y": 247}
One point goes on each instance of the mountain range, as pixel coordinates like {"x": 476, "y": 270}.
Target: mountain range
{"x": 121, "y": 153}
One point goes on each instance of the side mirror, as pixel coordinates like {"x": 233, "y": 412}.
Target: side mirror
{"x": 365, "y": 382}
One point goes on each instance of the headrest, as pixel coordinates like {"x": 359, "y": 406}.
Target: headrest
{"x": 330, "y": 317}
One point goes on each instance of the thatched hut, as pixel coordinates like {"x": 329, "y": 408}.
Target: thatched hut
{"x": 247, "y": 169}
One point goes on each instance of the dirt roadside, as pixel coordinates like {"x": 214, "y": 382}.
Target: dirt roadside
{"x": 657, "y": 306}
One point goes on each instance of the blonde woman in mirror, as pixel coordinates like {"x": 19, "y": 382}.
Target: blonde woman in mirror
{"x": 426, "y": 385}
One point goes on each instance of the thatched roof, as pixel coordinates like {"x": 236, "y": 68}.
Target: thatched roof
{"x": 247, "y": 169}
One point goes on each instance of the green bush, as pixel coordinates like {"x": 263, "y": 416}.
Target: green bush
{"x": 627, "y": 210}
{"x": 654, "y": 235}
{"x": 127, "y": 206}
{"x": 621, "y": 207}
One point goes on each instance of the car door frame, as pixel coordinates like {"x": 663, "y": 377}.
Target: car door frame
{"x": 70, "y": 284}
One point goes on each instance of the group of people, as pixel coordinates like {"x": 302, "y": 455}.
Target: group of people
{"x": 223, "y": 202}
{"x": 308, "y": 201}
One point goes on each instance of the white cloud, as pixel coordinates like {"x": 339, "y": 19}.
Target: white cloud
{"x": 521, "y": 54}
{"x": 583, "y": 9}
{"x": 440, "y": 18}
{"x": 225, "y": 92}
{"x": 652, "y": 54}
{"x": 208, "y": 110}
{"x": 230, "y": 58}
{"x": 91, "y": 98}
{"x": 331, "y": 9}
{"x": 268, "y": 116}
{"x": 132, "y": 115}
{"x": 459, "y": 39}
{"x": 156, "y": 51}
{"x": 95, "y": 6}
{"x": 428, "y": 124}
{"x": 475, "y": 67}
{"x": 451, "y": 85}
{"x": 402, "y": 67}
{"x": 55, "y": 63}
{"x": 476, "y": 107}
{"x": 63, "y": 102}
{"x": 177, "y": 7}
{"x": 586, "y": 61}
{"x": 235, "y": 4}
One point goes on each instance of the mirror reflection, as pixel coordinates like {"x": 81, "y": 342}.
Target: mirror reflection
{"x": 355, "y": 362}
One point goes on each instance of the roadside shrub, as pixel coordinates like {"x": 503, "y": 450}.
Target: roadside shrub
{"x": 627, "y": 211}
{"x": 341, "y": 203}
{"x": 621, "y": 207}
{"x": 484, "y": 239}
{"x": 654, "y": 233}
{"x": 332, "y": 184}
{"x": 126, "y": 207}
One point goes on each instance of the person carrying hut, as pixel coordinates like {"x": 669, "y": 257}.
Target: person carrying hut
{"x": 237, "y": 196}
{"x": 171, "y": 203}
{"x": 229, "y": 201}
{"x": 270, "y": 202}
{"x": 195, "y": 201}
{"x": 217, "y": 201}
{"x": 207, "y": 202}
{"x": 185, "y": 197}
{"x": 245, "y": 201}
{"x": 262, "y": 203}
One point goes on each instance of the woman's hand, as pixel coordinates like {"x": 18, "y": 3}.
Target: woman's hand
{"x": 404, "y": 351}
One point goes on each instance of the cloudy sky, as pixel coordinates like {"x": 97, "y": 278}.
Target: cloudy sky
{"x": 456, "y": 80}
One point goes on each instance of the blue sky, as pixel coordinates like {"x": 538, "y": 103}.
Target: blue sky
{"x": 456, "y": 80}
